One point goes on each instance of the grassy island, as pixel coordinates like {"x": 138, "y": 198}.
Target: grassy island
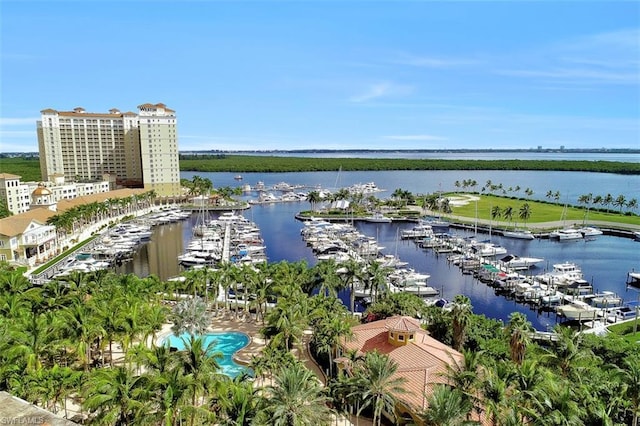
{"x": 275, "y": 164}
{"x": 29, "y": 168}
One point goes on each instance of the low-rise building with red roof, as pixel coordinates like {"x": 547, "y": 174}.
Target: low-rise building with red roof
{"x": 422, "y": 360}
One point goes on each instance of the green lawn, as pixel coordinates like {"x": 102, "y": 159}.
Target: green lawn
{"x": 540, "y": 211}
{"x": 626, "y": 330}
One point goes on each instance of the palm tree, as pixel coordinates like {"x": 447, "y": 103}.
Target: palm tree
{"x": 327, "y": 279}
{"x": 494, "y": 383}
{"x": 496, "y": 212}
{"x": 525, "y": 213}
{"x": 115, "y": 396}
{"x": 373, "y": 277}
{"x": 464, "y": 376}
{"x": 379, "y": 384}
{"x": 82, "y": 329}
{"x": 199, "y": 362}
{"x": 460, "y": 317}
{"x": 629, "y": 373}
{"x": 446, "y": 407}
{"x": 286, "y": 323}
{"x": 586, "y": 199}
{"x": 190, "y": 316}
{"x": 314, "y": 198}
{"x": 567, "y": 354}
{"x": 328, "y": 333}
{"x": 237, "y": 403}
{"x": 507, "y": 213}
{"x": 295, "y": 399}
{"x": 519, "y": 330}
{"x": 620, "y": 202}
{"x": 607, "y": 201}
{"x": 349, "y": 272}
{"x": 556, "y": 404}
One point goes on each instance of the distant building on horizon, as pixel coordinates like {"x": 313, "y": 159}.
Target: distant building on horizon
{"x": 139, "y": 149}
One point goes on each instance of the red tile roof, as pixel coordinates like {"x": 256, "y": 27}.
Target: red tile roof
{"x": 422, "y": 362}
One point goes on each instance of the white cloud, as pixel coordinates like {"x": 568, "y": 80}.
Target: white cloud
{"x": 381, "y": 90}
{"x": 415, "y": 138}
{"x": 606, "y": 58}
{"x": 434, "y": 62}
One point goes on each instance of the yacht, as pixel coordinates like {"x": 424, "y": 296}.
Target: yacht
{"x": 589, "y": 231}
{"x": 566, "y": 234}
{"x": 578, "y": 310}
{"x": 378, "y": 217}
{"x": 523, "y": 234}
{"x": 488, "y": 249}
{"x": 621, "y": 313}
{"x": 634, "y": 279}
{"x": 562, "y": 273}
{"x": 518, "y": 263}
{"x": 420, "y": 230}
{"x": 606, "y": 299}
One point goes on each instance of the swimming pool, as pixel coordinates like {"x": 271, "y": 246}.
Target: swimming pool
{"x": 227, "y": 343}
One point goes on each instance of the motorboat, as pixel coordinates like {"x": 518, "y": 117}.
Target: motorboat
{"x": 633, "y": 279}
{"x": 589, "y": 231}
{"x": 577, "y": 310}
{"x": 606, "y": 299}
{"x": 420, "y": 230}
{"x": 390, "y": 261}
{"x": 566, "y": 234}
{"x": 378, "y": 217}
{"x": 518, "y": 263}
{"x": 621, "y": 313}
{"x": 523, "y": 234}
{"x": 486, "y": 249}
{"x": 562, "y": 273}
{"x": 418, "y": 290}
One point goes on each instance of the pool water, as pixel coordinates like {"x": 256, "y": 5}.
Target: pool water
{"x": 227, "y": 343}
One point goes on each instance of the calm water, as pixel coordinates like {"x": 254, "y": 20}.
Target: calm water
{"x": 605, "y": 261}
{"x": 570, "y": 185}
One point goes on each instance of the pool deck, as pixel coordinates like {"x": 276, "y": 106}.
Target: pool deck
{"x": 225, "y": 321}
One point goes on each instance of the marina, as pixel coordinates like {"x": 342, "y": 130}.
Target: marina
{"x": 605, "y": 260}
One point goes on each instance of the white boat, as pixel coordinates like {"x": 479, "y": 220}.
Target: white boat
{"x": 518, "y": 263}
{"x": 566, "y": 234}
{"x": 562, "y": 273}
{"x": 418, "y": 290}
{"x": 488, "y": 249}
{"x": 589, "y": 231}
{"x": 577, "y": 310}
{"x": 378, "y": 217}
{"x": 390, "y": 261}
{"x": 621, "y": 313}
{"x": 636, "y": 235}
{"x": 523, "y": 234}
{"x": 606, "y": 299}
{"x": 634, "y": 279}
{"x": 421, "y": 230}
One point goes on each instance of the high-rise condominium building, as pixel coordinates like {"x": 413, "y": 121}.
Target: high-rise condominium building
{"x": 141, "y": 149}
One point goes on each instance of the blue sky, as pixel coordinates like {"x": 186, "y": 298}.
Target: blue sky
{"x": 332, "y": 74}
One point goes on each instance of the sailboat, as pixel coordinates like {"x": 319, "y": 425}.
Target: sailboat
{"x": 566, "y": 234}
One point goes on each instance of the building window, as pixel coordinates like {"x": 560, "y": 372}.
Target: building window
{"x": 401, "y": 337}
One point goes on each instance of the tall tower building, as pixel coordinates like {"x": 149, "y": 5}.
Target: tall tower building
{"x": 141, "y": 150}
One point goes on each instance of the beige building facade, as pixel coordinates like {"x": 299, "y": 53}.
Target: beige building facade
{"x": 15, "y": 194}
{"x": 139, "y": 149}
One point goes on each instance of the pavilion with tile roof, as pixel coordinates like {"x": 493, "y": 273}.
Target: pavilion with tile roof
{"x": 422, "y": 360}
